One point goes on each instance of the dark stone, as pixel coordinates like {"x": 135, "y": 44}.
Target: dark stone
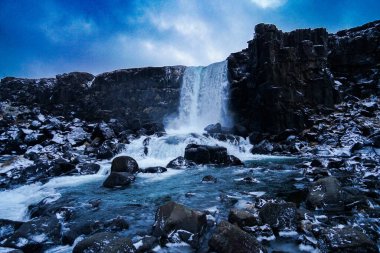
{"x": 89, "y": 168}
{"x": 346, "y": 239}
{"x": 148, "y": 243}
{"x": 279, "y": 216}
{"x": 242, "y": 218}
{"x": 8, "y": 228}
{"x": 61, "y": 167}
{"x": 209, "y": 179}
{"x": 33, "y": 235}
{"x": 105, "y": 243}
{"x": 157, "y": 169}
{"x": 212, "y": 129}
{"x": 103, "y": 131}
{"x": 180, "y": 163}
{"x": 124, "y": 164}
{"x": 118, "y": 179}
{"x": 173, "y": 219}
{"x": 316, "y": 163}
{"x": 230, "y": 238}
{"x": 264, "y": 147}
{"x": 234, "y": 161}
{"x": 325, "y": 193}
{"x": 203, "y": 154}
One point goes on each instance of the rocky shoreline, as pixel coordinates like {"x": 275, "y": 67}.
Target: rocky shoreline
{"x": 305, "y": 94}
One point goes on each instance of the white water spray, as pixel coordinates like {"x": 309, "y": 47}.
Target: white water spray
{"x": 204, "y": 99}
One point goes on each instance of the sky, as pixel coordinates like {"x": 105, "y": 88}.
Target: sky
{"x": 42, "y": 38}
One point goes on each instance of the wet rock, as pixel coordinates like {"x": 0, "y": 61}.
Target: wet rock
{"x": 8, "y": 227}
{"x": 175, "y": 221}
{"x": 209, "y": 179}
{"x": 234, "y": 161}
{"x": 118, "y": 180}
{"x": 213, "y": 128}
{"x": 336, "y": 163}
{"x": 124, "y": 164}
{"x": 73, "y": 231}
{"x": 105, "y": 243}
{"x": 203, "y": 154}
{"x": 242, "y": 218}
{"x": 230, "y": 238}
{"x": 180, "y": 163}
{"x": 89, "y": 168}
{"x": 61, "y": 166}
{"x": 316, "y": 163}
{"x": 264, "y": 147}
{"x": 346, "y": 239}
{"x": 279, "y": 216}
{"x": 108, "y": 150}
{"x": 147, "y": 244}
{"x": 157, "y": 169}
{"x": 103, "y": 131}
{"x": 34, "y": 235}
{"x": 325, "y": 193}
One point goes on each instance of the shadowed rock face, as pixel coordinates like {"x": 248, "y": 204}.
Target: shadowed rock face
{"x": 283, "y": 76}
{"x": 133, "y": 96}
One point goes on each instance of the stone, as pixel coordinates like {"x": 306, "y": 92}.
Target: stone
{"x": 180, "y": 163}
{"x": 118, "y": 180}
{"x": 230, "y": 238}
{"x": 124, "y": 164}
{"x": 176, "y": 220}
{"x": 203, "y": 154}
{"x": 213, "y": 128}
{"x": 325, "y": 193}
{"x": 32, "y": 235}
{"x": 209, "y": 179}
{"x": 346, "y": 239}
{"x": 279, "y": 216}
{"x": 157, "y": 169}
{"x": 242, "y": 218}
{"x": 105, "y": 242}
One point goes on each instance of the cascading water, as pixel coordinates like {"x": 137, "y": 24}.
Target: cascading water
{"x": 204, "y": 101}
{"x": 204, "y": 96}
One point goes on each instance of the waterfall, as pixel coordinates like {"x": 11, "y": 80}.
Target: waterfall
{"x": 203, "y": 101}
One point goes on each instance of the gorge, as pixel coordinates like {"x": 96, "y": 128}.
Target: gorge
{"x": 274, "y": 149}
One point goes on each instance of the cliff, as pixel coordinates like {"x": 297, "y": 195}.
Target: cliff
{"x": 277, "y": 83}
{"x": 284, "y": 77}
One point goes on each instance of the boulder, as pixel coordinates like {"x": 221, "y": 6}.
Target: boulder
{"x": 203, "y": 154}
{"x": 118, "y": 179}
{"x": 157, "y": 169}
{"x": 105, "y": 243}
{"x": 103, "y": 131}
{"x": 32, "y": 236}
{"x": 213, "y": 128}
{"x": 180, "y": 163}
{"x": 230, "y": 238}
{"x": 124, "y": 164}
{"x": 279, "y": 216}
{"x": 242, "y": 218}
{"x": 346, "y": 239}
{"x": 209, "y": 179}
{"x": 175, "y": 221}
{"x": 325, "y": 193}
{"x": 8, "y": 227}
{"x": 89, "y": 168}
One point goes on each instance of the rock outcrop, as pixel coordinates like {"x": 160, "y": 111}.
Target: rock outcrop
{"x": 282, "y": 77}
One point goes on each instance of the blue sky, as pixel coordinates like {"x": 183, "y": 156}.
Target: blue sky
{"x": 42, "y": 38}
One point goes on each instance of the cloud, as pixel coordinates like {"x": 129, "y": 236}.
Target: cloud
{"x": 269, "y": 3}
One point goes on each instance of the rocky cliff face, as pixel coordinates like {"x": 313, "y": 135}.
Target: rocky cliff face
{"x": 134, "y": 96}
{"x": 282, "y": 78}
{"x": 277, "y": 83}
